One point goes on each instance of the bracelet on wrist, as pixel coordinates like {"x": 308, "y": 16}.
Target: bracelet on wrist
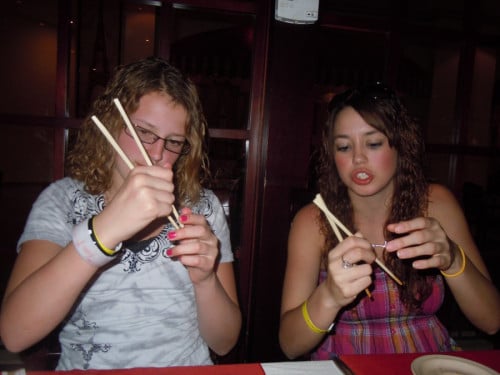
{"x": 103, "y": 248}
{"x": 86, "y": 245}
{"x": 462, "y": 268}
{"x": 309, "y": 322}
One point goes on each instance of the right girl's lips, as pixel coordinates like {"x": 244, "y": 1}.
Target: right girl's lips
{"x": 361, "y": 177}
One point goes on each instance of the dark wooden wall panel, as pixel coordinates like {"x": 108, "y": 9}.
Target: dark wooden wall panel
{"x": 289, "y": 118}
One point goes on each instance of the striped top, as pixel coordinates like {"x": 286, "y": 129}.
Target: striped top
{"x": 383, "y": 324}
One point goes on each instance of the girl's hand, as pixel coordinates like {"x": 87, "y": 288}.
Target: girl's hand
{"x": 425, "y": 239}
{"x": 197, "y": 246}
{"x": 349, "y": 269}
{"x": 146, "y": 194}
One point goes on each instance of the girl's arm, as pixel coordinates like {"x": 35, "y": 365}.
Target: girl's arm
{"x": 219, "y": 315}
{"x": 47, "y": 278}
{"x": 473, "y": 290}
{"x": 325, "y": 300}
{"x": 437, "y": 238}
{"x": 44, "y": 284}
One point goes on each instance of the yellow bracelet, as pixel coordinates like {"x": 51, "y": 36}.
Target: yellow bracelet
{"x": 310, "y": 324}
{"x": 107, "y": 251}
{"x": 461, "y": 270}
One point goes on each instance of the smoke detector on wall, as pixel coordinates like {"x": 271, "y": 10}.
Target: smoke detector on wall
{"x": 296, "y": 11}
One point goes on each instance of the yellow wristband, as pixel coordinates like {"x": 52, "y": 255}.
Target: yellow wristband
{"x": 107, "y": 251}
{"x": 310, "y": 324}
{"x": 461, "y": 270}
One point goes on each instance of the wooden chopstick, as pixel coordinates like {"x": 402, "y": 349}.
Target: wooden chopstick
{"x": 321, "y": 204}
{"x": 113, "y": 143}
{"x": 318, "y": 201}
{"x": 131, "y": 128}
{"x": 144, "y": 153}
{"x": 121, "y": 153}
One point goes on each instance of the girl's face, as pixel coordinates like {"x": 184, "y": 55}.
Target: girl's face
{"x": 365, "y": 161}
{"x": 158, "y": 114}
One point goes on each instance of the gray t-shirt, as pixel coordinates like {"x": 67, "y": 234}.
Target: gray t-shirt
{"x": 139, "y": 310}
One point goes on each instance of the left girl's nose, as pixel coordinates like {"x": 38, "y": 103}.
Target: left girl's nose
{"x": 156, "y": 150}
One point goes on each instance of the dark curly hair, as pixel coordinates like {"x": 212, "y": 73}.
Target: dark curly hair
{"x": 380, "y": 107}
{"x": 89, "y": 159}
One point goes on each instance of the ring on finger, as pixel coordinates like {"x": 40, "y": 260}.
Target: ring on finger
{"x": 345, "y": 264}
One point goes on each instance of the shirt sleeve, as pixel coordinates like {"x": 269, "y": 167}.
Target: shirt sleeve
{"x": 48, "y": 218}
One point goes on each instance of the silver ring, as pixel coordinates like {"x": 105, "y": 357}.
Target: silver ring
{"x": 345, "y": 264}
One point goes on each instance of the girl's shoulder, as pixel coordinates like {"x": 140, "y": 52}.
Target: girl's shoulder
{"x": 61, "y": 189}
{"x": 208, "y": 194}
{"x": 308, "y": 214}
{"x": 306, "y": 240}
{"x": 69, "y": 197}
{"x": 440, "y": 195}
{"x": 67, "y": 184}
{"x": 306, "y": 223}
{"x": 443, "y": 204}
{"x": 208, "y": 204}
{"x": 438, "y": 190}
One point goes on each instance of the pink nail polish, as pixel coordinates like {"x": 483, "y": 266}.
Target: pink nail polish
{"x": 171, "y": 235}
{"x": 183, "y": 218}
{"x": 169, "y": 252}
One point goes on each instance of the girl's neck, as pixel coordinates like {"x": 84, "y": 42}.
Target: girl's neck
{"x": 370, "y": 208}
{"x": 370, "y": 215}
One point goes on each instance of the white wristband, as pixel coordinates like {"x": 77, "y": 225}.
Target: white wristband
{"x": 87, "y": 248}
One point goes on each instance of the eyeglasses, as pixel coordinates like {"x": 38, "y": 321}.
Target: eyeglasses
{"x": 172, "y": 145}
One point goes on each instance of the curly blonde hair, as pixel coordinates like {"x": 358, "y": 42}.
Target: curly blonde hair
{"x": 380, "y": 107}
{"x": 89, "y": 159}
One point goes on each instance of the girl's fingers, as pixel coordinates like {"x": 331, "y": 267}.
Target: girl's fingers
{"x": 426, "y": 242}
{"x": 408, "y": 225}
{"x": 194, "y": 239}
{"x": 415, "y": 232}
{"x": 354, "y": 250}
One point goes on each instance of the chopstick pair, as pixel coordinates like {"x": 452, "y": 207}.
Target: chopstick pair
{"x": 177, "y": 224}
{"x": 336, "y": 224}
